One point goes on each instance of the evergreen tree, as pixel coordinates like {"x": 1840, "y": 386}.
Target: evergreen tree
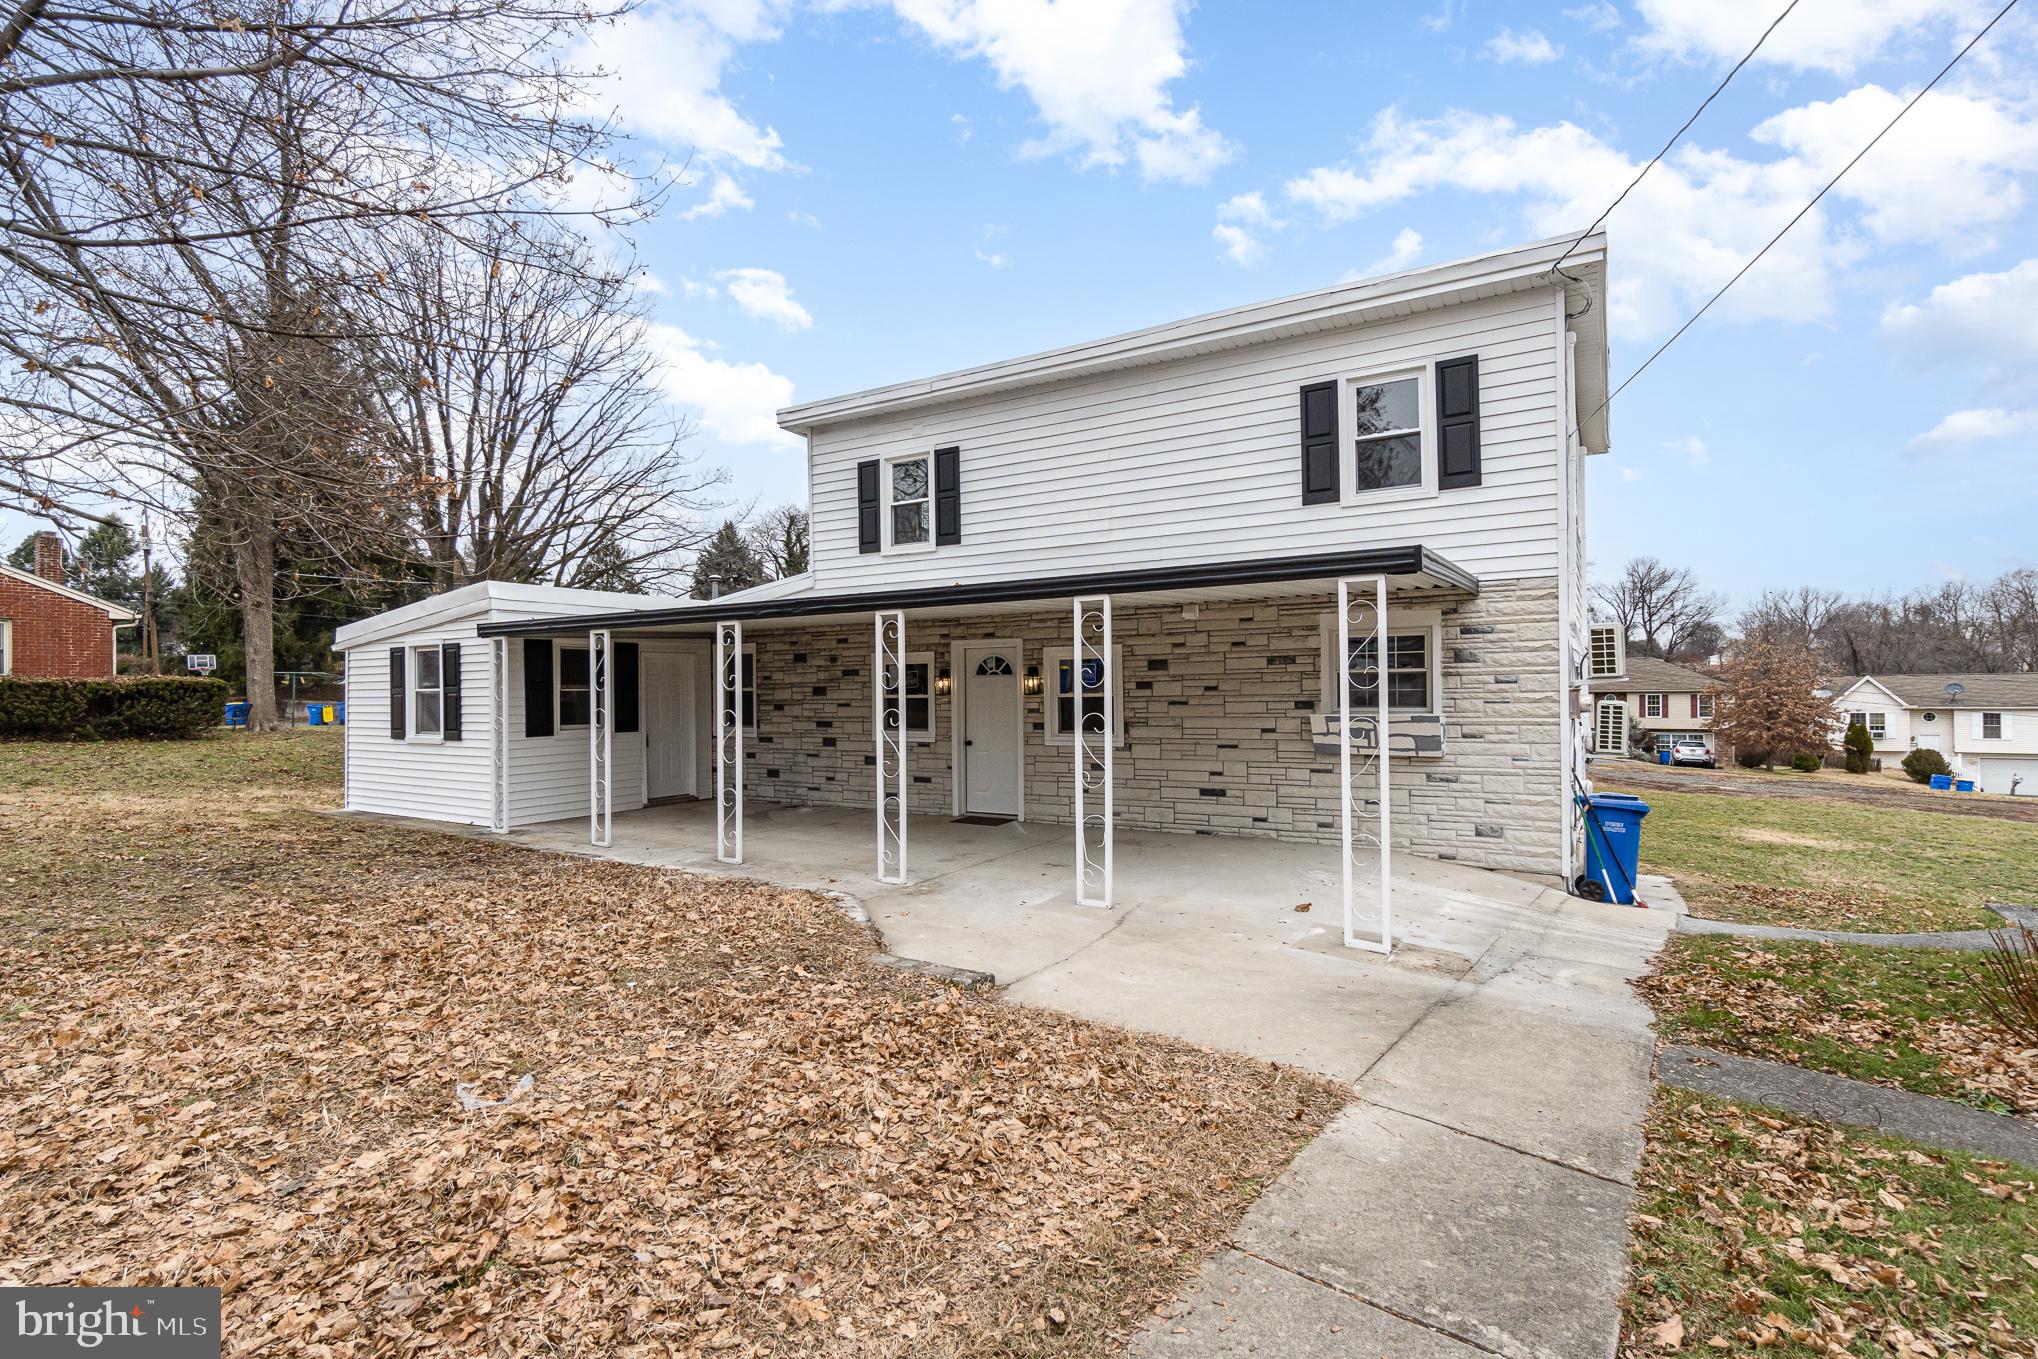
{"x": 727, "y": 564}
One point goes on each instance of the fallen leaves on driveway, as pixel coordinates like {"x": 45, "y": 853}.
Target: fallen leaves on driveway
{"x": 1756, "y": 1233}
{"x": 739, "y": 1137}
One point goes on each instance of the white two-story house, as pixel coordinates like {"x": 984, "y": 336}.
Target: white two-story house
{"x": 1986, "y": 725}
{"x": 1131, "y": 583}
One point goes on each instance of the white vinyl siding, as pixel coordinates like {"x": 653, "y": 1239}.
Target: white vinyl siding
{"x": 434, "y": 779}
{"x": 1198, "y": 460}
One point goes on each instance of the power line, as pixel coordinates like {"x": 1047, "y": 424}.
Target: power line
{"x": 1800, "y": 214}
{"x": 1677, "y": 134}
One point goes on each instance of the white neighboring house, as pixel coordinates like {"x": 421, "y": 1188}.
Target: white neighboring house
{"x": 1988, "y": 731}
{"x": 1162, "y": 521}
{"x": 1647, "y": 703}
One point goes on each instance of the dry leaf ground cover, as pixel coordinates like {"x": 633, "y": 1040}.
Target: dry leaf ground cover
{"x": 1911, "y": 1018}
{"x": 1823, "y": 863}
{"x": 1757, "y": 1233}
{"x": 233, "y": 1031}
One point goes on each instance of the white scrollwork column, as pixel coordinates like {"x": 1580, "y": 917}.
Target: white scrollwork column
{"x": 729, "y": 742}
{"x": 600, "y": 766}
{"x": 888, "y": 719}
{"x": 499, "y": 733}
{"x": 1362, "y": 750}
{"x": 1092, "y": 743}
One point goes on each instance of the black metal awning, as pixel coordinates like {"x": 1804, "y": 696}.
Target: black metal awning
{"x": 1415, "y": 563}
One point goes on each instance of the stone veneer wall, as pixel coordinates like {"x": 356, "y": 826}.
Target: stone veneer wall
{"x": 1216, "y": 724}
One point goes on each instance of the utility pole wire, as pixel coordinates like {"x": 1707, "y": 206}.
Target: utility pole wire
{"x": 1703, "y": 105}
{"x": 1693, "y": 320}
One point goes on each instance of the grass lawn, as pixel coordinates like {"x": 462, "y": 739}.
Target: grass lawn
{"x": 1827, "y": 864}
{"x": 1910, "y": 1018}
{"x": 1759, "y": 1233}
{"x": 234, "y": 1031}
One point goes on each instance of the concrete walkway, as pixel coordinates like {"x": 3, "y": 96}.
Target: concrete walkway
{"x": 1969, "y": 941}
{"x": 1472, "y": 1201}
{"x": 1836, "y": 1099}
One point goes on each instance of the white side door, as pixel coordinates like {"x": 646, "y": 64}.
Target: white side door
{"x": 990, "y": 730}
{"x": 666, "y": 693}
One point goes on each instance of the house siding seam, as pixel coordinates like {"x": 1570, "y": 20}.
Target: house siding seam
{"x": 1217, "y": 741}
{"x": 54, "y": 637}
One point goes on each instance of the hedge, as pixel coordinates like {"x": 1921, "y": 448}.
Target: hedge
{"x": 107, "y": 709}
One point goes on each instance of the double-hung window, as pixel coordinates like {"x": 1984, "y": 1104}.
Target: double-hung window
{"x": 1061, "y": 695}
{"x": 1655, "y": 705}
{"x": 1991, "y": 726}
{"x": 1703, "y": 706}
{"x": 1407, "y": 672}
{"x": 919, "y": 695}
{"x": 576, "y": 690}
{"x": 909, "y": 508}
{"x": 1877, "y": 723}
{"x": 1389, "y": 442}
{"x": 428, "y": 693}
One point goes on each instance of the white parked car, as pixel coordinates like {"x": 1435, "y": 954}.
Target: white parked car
{"x": 1691, "y": 750}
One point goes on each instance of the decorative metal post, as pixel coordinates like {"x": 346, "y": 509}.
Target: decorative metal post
{"x": 1092, "y": 743}
{"x": 888, "y": 718}
{"x": 1362, "y": 748}
{"x": 599, "y": 768}
{"x": 729, "y": 742}
{"x": 499, "y": 732}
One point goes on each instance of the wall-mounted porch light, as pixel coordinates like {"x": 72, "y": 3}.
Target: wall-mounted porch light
{"x": 942, "y": 684}
{"x": 1032, "y": 679}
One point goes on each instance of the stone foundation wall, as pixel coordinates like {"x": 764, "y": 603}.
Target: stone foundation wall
{"x": 1216, "y": 703}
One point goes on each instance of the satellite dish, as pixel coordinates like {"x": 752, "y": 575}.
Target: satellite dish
{"x": 1955, "y": 689}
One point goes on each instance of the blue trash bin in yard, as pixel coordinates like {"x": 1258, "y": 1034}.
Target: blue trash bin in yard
{"x": 1662, "y": 757}
{"x": 1942, "y": 783}
{"x": 1613, "y": 843}
{"x": 1963, "y": 785}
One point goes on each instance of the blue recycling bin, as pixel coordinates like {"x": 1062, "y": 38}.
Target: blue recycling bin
{"x": 237, "y": 714}
{"x": 340, "y": 714}
{"x": 1613, "y": 843}
{"x": 1662, "y": 757}
{"x": 1963, "y": 785}
{"x": 1942, "y": 783}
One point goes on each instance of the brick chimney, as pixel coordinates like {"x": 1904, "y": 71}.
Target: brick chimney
{"x": 49, "y": 557}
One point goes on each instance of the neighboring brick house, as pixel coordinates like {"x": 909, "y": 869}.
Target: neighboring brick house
{"x": 50, "y": 631}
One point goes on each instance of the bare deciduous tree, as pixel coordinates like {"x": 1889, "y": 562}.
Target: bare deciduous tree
{"x": 524, "y": 416}
{"x": 1662, "y": 610}
{"x": 779, "y": 538}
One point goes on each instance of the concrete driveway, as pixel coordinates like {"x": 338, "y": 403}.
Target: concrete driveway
{"x": 1472, "y": 1200}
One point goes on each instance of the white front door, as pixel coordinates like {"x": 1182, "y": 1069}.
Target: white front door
{"x": 666, "y": 691}
{"x": 1929, "y": 741}
{"x": 990, "y": 730}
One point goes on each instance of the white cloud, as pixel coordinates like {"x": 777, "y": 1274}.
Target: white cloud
{"x": 1444, "y": 16}
{"x": 644, "y": 281}
{"x": 1693, "y": 448}
{"x": 1701, "y": 214}
{"x": 804, "y": 219}
{"x": 960, "y": 122}
{"x": 996, "y": 259}
{"x": 691, "y": 288}
{"x": 1521, "y": 49}
{"x": 764, "y": 294}
{"x": 1406, "y": 250}
{"x": 1098, "y": 73}
{"x": 1988, "y": 317}
{"x": 1836, "y": 37}
{"x": 1630, "y": 474}
{"x": 724, "y": 193}
{"x": 1984, "y": 425}
{"x": 1243, "y": 222}
{"x": 1601, "y": 17}
{"x": 736, "y": 403}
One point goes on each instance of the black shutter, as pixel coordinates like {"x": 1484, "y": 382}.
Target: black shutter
{"x": 449, "y": 679}
{"x": 1319, "y": 444}
{"x": 396, "y": 664}
{"x": 947, "y": 496}
{"x": 1458, "y": 423}
{"x": 626, "y": 686}
{"x": 869, "y": 533}
{"x": 537, "y": 687}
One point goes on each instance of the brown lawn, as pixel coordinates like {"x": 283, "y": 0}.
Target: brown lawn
{"x": 234, "y": 1030}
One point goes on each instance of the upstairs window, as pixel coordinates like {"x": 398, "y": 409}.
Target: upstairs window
{"x": 1387, "y": 438}
{"x": 1702, "y": 706}
{"x": 1655, "y": 705}
{"x": 909, "y": 515}
{"x": 1991, "y": 726}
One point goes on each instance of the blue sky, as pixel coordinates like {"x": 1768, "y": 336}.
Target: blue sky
{"x": 882, "y": 189}
{"x": 885, "y": 190}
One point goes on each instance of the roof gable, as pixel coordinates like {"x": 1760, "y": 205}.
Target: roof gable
{"x": 113, "y": 611}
